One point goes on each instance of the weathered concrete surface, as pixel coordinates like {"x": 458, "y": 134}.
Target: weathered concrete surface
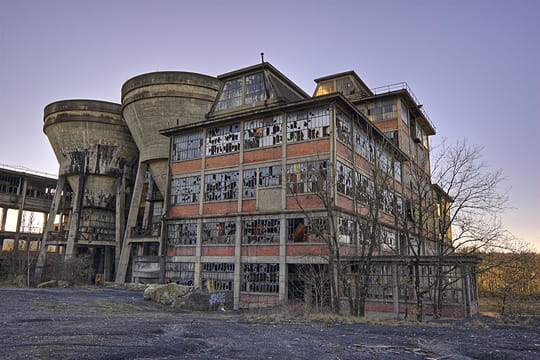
{"x": 156, "y": 101}
{"x": 118, "y": 324}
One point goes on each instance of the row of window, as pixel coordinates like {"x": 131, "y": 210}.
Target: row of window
{"x": 356, "y": 185}
{"x": 347, "y": 231}
{"x": 246, "y": 90}
{"x": 254, "y": 231}
{"x": 301, "y": 178}
{"x": 352, "y": 134}
{"x": 301, "y": 125}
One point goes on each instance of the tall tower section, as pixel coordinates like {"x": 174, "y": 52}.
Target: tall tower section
{"x": 96, "y": 154}
{"x": 150, "y": 103}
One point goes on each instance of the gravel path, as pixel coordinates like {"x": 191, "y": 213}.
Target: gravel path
{"x": 117, "y": 324}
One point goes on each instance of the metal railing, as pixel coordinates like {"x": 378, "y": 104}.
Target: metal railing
{"x": 402, "y": 86}
{"x": 27, "y": 170}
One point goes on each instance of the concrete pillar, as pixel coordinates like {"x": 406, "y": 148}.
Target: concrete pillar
{"x": 120, "y": 217}
{"x": 107, "y": 263}
{"x": 198, "y": 249}
{"x": 131, "y": 222}
{"x": 3, "y": 220}
{"x": 395, "y": 289}
{"x": 283, "y": 276}
{"x": 75, "y": 218}
{"x": 19, "y": 218}
{"x": 147, "y": 218}
{"x": 237, "y": 264}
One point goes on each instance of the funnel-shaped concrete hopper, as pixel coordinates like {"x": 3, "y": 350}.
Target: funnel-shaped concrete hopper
{"x": 157, "y": 101}
{"x": 94, "y": 148}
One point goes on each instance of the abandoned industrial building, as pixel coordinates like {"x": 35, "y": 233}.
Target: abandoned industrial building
{"x": 242, "y": 182}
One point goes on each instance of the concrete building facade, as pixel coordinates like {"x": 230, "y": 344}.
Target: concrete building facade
{"x": 241, "y": 177}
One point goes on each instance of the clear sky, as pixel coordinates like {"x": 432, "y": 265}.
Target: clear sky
{"x": 473, "y": 64}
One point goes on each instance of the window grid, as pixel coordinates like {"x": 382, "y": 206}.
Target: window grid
{"x": 263, "y": 132}
{"x": 185, "y": 190}
{"x": 306, "y": 177}
{"x": 223, "y": 139}
{"x": 219, "y": 232}
{"x": 222, "y": 186}
{"x": 270, "y": 176}
{"x": 307, "y": 229}
{"x": 187, "y": 146}
{"x": 260, "y": 278}
{"x": 308, "y": 124}
{"x": 343, "y": 127}
{"x": 218, "y": 276}
{"x": 261, "y": 231}
{"x": 249, "y": 189}
{"x": 182, "y": 233}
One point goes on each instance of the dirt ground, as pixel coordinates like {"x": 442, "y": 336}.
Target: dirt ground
{"x": 107, "y": 323}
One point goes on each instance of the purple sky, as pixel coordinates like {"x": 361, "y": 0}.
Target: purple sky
{"x": 473, "y": 64}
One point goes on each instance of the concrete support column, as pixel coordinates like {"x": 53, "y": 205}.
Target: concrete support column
{"x": 197, "y": 271}
{"x": 19, "y": 217}
{"x": 107, "y": 263}
{"x": 283, "y": 260}
{"x": 395, "y": 289}
{"x": 73, "y": 232}
{"x": 147, "y": 219}
{"x": 237, "y": 264}
{"x": 3, "y": 219}
{"x": 132, "y": 220}
{"x": 120, "y": 217}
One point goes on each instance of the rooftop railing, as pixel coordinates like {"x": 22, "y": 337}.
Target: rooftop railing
{"x": 402, "y": 86}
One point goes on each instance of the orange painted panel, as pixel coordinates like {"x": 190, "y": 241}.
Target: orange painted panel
{"x": 249, "y": 205}
{"x": 344, "y": 202}
{"x": 181, "y": 251}
{"x": 307, "y": 201}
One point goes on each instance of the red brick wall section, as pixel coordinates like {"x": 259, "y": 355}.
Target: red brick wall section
{"x": 181, "y": 251}
{"x": 185, "y": 166}
{"x": 260, "y": 250}
{"x": 344, "y": 202}
{"x": 308, "y": 148}
{"x": 262, "y": 155}
{"x": 307, "y": 201}
{"x": 184, "y": 210}
{"x": 249, "y": 205}
{"x": 222, "y": 160}
{"x": 222, "y": 207}
{"x": 217, "y": 250}
{"x": 307, "y": 250}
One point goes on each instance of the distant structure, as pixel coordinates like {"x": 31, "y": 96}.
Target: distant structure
{"x": 215, "y": 182}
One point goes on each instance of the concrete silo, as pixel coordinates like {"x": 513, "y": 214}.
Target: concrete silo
{"x": 96, "y": 154}
{"x": 150, "y": 103}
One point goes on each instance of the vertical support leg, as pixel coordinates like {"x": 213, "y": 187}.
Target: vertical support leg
{"x": 283, "y": 260}
{"x": 237, "y": 264}
{"x": 132, "y": 219}
{"x": 19, "y": 218}
{"x": 197, "y": 273}
{"x": 107, "y": 264}
{"x": 3, "y": 219}
{"x": 120, "y": 218}
{"x": 395, "y": 289}
{"x": 75, "y": 219}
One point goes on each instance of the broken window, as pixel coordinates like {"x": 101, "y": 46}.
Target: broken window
{"x": 343, "y": 127}
{"x": 248, "y": 89}
{"x": 388, "y": 239}
{"x": 184, "y": 233}
{"x": 345, "y": 230}
{"x": 389, "y": 109}
{"x": 222, "y": 186}
{"x": 219, "y": 232}
{"x": 308, "y": 124}
{"x": 231, "y": 95}
{"x": 260, "y": 278}
{"x": 365, "y": 188}
{"x": 344, "y": 179}
{"x": 187, "y": 146}
{"x": 380, "y": 282}
{"x": 185, "y": 190}
{"x": 263, "y": 132}
{"x": 260, "y": 231}
{"x": 270, "y": 176}
{"x": 307, "y": 229}
{"x": 324, "y": 88}
{"x": 223, "y": 139}
{"x": 257, "y": 88}
{"x": 9, "y": 184}
{"x": 218, "y": 276}
{"x": 397, "y": 171}
{"x": 307, "y": 177}
{"x": 181, "y": 273}
{"x": 363, "y": 145}
{"x": 250, "y": 183}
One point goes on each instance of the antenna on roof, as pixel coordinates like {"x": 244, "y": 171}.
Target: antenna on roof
{"x": 262, "y": 57}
